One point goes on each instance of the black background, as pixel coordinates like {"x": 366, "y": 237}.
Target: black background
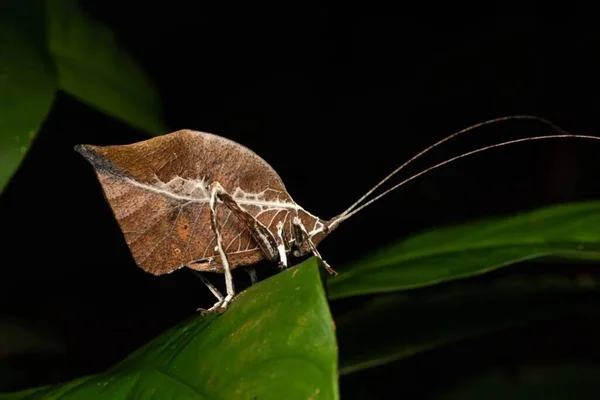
{"x": 333, "y": 98}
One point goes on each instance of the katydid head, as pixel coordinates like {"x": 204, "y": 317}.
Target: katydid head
{"x": 307, "y": 232}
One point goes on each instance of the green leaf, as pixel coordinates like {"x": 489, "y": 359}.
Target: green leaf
{"x": 372, "y": 335}
{"x": 568, "y": 231}
{"x": 94, "y": 67}
{"x": 276, "y": 341}
{"x": 27, "y": 88}
{"x": 532, "y": 382}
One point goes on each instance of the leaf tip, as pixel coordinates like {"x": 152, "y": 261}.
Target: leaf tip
{"x": 90, "y": 153}
{"x": 81, "y": 149}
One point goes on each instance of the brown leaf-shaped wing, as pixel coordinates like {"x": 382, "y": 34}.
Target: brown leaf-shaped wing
{"x": 158, "y": 192}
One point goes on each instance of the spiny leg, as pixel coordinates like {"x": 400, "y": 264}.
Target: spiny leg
{"x": 283, "y": 262}
{"x": 212, "y": 289}
{"x": 306, "y": 237}
{"x": 214, "y": 190}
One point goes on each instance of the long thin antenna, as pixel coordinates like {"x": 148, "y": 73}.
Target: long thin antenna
{"x": 452, "y": 136}
{"x": 342, "y": 217}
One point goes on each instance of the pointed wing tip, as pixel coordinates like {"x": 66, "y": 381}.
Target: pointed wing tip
{"x": 89, "y": 152}
{"x": 84, "y": 150}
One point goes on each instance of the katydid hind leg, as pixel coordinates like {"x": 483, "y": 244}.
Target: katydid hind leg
{"x": 261, "y": 234}
{"x": 214, "y": 190}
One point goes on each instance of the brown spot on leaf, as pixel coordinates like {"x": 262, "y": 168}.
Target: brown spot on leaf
{"x": 175, "y": 250}
{"x": 183, "y": 229}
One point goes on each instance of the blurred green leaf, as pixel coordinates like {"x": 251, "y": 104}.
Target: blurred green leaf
{"x": 276, "y": 341}
{"x": 568, "y": 231}
{"x": 27, "y": 88}
{"x": 395, "y": 326}
{"x": 94, "y": 67}
{"x": 29, "y": 18}
{"x": 28, "y": 349}
{"x": 18, "y": 336}
{"x": 533, "y": 382}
